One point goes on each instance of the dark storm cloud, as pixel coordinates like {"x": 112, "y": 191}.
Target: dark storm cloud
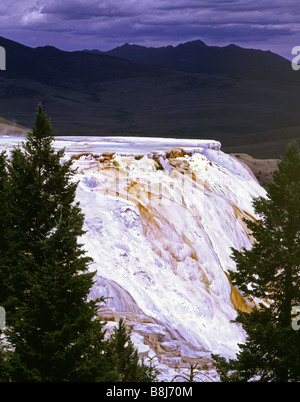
{"x": 75, "y": 9}
{"x": 108, "y": 23}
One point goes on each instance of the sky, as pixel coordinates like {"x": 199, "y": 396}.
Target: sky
{"x": 92, "y": 24}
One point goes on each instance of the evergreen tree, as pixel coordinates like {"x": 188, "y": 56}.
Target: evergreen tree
{"x": 124, "y": 357}
{"x": 52, "y": 327}
{"x": 270, "y": 271}
{"x": 3, "y": 199}
{"x": 3, "y": 247}
{"x": 4, "y": 218}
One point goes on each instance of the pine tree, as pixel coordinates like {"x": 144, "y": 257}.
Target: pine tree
{"x": 4, "y": 218}
{"x": 270, "y": 271}
{"x": 124, "y": 357}
{"x": 52, "y": 327}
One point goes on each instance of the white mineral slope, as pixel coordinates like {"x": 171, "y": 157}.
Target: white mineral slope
{"x": 164, "y": 235}
{"x": 160, "y": 231}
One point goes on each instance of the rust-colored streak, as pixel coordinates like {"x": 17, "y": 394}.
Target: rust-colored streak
{"x": 237, "y": 299}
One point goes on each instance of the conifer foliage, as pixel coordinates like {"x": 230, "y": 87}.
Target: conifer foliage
{"x": 4, "y": 212}
{"x": 270, "y": 272}
{"x": 53, "y": 331}
{"x": 124, "y": 357}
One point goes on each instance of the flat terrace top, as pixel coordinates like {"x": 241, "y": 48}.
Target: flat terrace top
{"x": 130, "y": 145}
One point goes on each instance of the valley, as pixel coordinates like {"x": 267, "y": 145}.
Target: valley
{"x": 251, "y": 108}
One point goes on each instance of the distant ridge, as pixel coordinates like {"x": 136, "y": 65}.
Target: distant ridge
{"x": 53, "y": 66}
{"x": 60, "y": 68}
{"x": 247, "y": 99}
{"x": 197, "y": 57}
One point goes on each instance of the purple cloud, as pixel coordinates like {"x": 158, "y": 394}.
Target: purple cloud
{"x": 77, "y": 24}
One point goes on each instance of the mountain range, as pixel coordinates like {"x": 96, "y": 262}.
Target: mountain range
{"x": 197, "y": 57}
{"x": 246, "y": 98}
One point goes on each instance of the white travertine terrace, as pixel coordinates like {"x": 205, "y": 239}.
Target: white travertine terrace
{"x": 161, "y": 217}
